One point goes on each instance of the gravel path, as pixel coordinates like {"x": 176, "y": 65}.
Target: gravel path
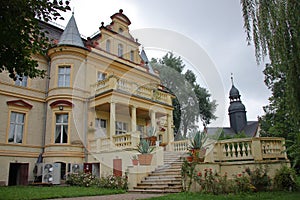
{"x": 127, "y": 196}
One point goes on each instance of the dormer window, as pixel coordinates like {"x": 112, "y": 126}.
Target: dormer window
{"x": 108, "y": 44}
{"x": 120, "y": 50}
{"x": 132, "y": 56}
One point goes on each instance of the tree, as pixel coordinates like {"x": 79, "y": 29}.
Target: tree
{"x": 273, "y": 27}
{"x": 192, "y": 101}
{"x": 21, "y": 36}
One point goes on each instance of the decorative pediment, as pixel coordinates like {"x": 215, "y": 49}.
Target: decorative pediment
{"x": 121, "y": 17}
{"x": 19, "y": 103}
{"x": 61, "y": 103}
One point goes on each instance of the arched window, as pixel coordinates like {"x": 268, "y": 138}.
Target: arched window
{"x": 108, "y": 46}
{"x": 120, "y": 30}
{"x": 120, "y": 50}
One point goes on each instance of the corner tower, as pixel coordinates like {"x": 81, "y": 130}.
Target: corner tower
{"x": 236, "y": 110}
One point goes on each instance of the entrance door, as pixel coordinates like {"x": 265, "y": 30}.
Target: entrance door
{"x": 117, "y": 164}
{"x": 18, "y": 174}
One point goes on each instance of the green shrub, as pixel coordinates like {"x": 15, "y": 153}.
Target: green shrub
{"x": 285, "y": 179}
{"x": 243, "y": 184}
{"x": 87, "y": 180}
{"x": 259, "y": 178}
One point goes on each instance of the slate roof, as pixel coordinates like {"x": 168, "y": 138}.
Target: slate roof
{"x": 250, "y": 130}
{"x": 71, "y": 35}
{"x": 146, "y": 60}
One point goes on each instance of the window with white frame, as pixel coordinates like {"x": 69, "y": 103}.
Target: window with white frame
{"x": 108, "y": 44}
{"x": 16, "y": 129}
{"x": 121, "y": 128}
{"x": 64, "y": 76}
{"x": 100, "y": 126}
{"x": 101, "y": 76}
{"x": 21, "y": 81}
{"x": 131, "y": 56}
{"x": 100, "y": 123}
{"x": 120, "y": 50}
{"x": 61, "y": 128}
{"x": 140, "y": 128}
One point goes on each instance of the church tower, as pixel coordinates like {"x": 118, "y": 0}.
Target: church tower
{"x": 236, "y": 110}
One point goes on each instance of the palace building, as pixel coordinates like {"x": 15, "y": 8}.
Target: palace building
{"x": 100, "y": 96}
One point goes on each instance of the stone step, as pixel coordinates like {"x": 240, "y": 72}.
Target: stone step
{"x": 163, "y": 178}
{"x": 158, "y": 188}
{"x": 155, "y": 191}
{"x": 160, "y": 182}
{"x": 172, "y": 168}
{"x": 164, "y": 173}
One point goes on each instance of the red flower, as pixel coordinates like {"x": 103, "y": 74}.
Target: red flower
{"x": 239, "y": 175}
{"x": 199, "y": 174}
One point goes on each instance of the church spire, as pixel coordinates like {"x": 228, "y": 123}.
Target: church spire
{"x": 236, "y": 110}
{"x": 71, "y": 35}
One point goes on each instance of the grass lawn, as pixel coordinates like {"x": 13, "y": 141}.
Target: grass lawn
{"x": 250, "y": 196}
{"x": 35, "y": 192}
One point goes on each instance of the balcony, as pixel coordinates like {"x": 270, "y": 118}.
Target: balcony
{"x": 125, "y": 141}
{"x": 151, "y": 92}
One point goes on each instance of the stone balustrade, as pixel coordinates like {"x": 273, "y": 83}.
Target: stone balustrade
{"x": 128, "y": 140}
{"x": 181, "y": 145}
{"x": 242, "y": 149}
{"x": 151, "y": 91}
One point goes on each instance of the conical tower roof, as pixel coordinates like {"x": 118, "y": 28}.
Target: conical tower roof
{"x": 71, "y": 35}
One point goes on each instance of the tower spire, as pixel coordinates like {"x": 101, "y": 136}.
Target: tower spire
{"x": 71, "y": 35}
{"x": 232, "y": 78}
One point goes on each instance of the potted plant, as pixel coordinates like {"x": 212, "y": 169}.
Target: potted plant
{"x": 197, "y": 147}
{"x": 151, "y": 135}
{"x": 189, "y": 158}
{"x": 145, "y": 149}
{"x": 135, "y": 160}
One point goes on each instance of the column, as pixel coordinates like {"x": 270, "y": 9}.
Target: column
{"x": 153, "y": 119}
{"x": 112, "y": 120}
{"x": 170, "y": 132}
{"x": 133, "y": 118}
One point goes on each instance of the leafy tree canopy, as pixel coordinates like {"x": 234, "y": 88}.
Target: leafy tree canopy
{"x": 192, "y": 102}
{"x": 21, "y": 36}
{"x": 273, "y": 27}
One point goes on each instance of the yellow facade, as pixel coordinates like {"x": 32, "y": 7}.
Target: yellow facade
{"x": 93, "y": 106}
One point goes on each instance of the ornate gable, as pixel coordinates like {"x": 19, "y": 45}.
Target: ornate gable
{"x": 19, "y": 103}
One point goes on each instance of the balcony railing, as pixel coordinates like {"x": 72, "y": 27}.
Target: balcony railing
{"x": 128, "y": 140}
{"x": 150, "y": 91}
{"x": 243, "y": 149}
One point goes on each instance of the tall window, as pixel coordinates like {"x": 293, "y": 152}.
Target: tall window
{"x": 101, "y": 76}
{"x": 16, "y": 129}
{"x": 131, "y": 56}
{"x": 64, "y": 76}
{"x": 61, "y": 128}
{"x": 121, "y": 128}
{"x": 21, "y": 81}
{"x": 108, "y": 46}
{"x": 100, "y": 123}
{"x": 120, "y": 50}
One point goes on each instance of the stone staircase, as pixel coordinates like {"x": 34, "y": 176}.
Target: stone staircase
{"x": 164, "y": 179}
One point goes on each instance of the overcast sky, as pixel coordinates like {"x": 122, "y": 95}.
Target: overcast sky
{"x": 213, "y": 29}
